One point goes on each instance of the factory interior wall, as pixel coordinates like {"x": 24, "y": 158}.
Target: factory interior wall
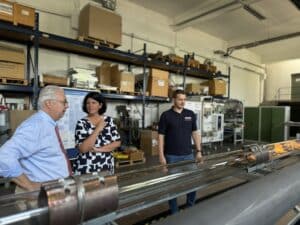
{"x": 141, "y": 26}
{"x": 279, "y": 77}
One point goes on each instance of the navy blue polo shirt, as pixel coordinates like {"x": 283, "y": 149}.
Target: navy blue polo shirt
{"x": 177, "y": 129}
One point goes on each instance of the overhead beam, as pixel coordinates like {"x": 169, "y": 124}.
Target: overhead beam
{"x": 197, "y": 14}
{"x": 203, "y": 13}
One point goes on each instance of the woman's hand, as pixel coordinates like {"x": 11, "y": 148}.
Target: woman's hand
{"x": 101, "y": 124}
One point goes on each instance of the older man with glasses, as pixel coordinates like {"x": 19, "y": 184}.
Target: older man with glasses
{"x": 35, "y": 152}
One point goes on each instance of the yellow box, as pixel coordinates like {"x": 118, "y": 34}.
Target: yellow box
{"x": 12, "y": 70}
{"x": 6, "y": 11}
{"x": 24, "y": 15}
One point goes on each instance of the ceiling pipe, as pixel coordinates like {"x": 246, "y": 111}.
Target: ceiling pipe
{"x": 191, "y": 19}
{"x": 262, "y": 42}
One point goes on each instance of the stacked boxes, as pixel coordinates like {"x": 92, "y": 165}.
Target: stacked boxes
{"x": 12, "y": 62}
{"x": 149, "y": 142}
{"x": 103, "y": 73}
{"x": 24, "y": 15}
{"x": 158, "y": 83}
{"x": 196, "y": 88}
{"x": 216, "y": 86}
{"x": 6, "y": 10}
{"x": 123, "y": 80}
{"x": 55, "y": 80}
{"x": 17, "y": 13}
{"x": 101, "y": 24}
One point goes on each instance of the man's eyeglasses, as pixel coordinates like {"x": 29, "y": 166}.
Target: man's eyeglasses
{"x": 64, "y": 102}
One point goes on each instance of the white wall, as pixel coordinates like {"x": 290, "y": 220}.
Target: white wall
{"x": 141, "y": 25}
{"x": 279, "y": 77}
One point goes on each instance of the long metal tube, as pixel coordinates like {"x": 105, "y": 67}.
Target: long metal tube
{"x": 263, "y": 202}
{"x": 142, "y": 192}
{"x": 263, "y": 42}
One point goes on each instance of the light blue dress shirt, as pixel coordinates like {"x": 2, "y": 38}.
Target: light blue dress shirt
{"x": 34, "y": 150}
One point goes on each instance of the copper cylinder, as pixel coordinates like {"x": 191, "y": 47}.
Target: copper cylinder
{"x": 80, "y": 198}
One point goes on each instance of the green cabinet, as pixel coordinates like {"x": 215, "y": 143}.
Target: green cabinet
{"x": 266, "y": 123}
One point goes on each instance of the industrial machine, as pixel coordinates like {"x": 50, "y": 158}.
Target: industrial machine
{"x": 128, "y": 126}
{"x": 234, "y": 121}
{"x": 101, "y": 198}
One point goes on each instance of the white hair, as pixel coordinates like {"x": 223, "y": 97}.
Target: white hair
{"x": 47, "y": 93}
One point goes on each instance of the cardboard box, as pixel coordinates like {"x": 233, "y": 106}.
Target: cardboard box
{"x": 122, "y": 79}
{"x": 216, "y": 86}
{"x": 99, "y": 23}
{"x": 163, "y": 75}
{"x": 136, "y": 155}
{"x": 103, "y": 73}
{"x": 149, "y": 142}
{"x": 195, "y": 88}
{"x": 10, "y": 54}
{"x": 16, "y": 117}
{"x": 158, "y": 87}
{"x": 12, "y": 70}
{"x": 24, "y": 15}
{"x": 6, "y": 10}
{"x": 158, "y": 83}
{"x": 55, "y": 80}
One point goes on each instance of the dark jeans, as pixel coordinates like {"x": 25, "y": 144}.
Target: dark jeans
{"x": 190, "y": 197}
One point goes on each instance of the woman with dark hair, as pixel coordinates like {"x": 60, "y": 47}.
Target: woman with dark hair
{"x": 96, "y": 136}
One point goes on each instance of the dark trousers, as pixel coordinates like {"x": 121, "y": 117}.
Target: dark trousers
{"x": 190, "y": 197}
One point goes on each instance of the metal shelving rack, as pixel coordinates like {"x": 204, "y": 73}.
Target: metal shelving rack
{"x": 36, "y": 39}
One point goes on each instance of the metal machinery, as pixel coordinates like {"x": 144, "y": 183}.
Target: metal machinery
{"x": 128, "y": 126}
{"x": 210, "y": 117}
{"x": 254, "y": 198}
{"x": 234, "y": 121}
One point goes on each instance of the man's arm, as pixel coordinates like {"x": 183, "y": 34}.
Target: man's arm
{"x": 25, "y": 183}
{"x": 161, "y": 143}
{"x": 197, "y": 140}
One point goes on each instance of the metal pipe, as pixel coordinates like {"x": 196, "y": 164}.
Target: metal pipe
{"x": 23, "y": 215}
{"x": 263, "y": 42}
{"x": 263, "y": 201}
{"x": 191, "y": 19}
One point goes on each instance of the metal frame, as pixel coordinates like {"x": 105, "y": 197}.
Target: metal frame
{"x": 35, "y": 38}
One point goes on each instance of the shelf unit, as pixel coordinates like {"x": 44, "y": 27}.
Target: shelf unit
{"x": 36, "y": 39}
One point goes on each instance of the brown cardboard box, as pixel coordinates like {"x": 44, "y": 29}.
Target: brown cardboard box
{"x": 10, "y": 54}
{"x": 122, "y": 79}
{"x": 12, "y": 70}
{"x": 149, "y": 142}
{"x": 16, "y": 117}
{"x": 103, "y": 73}
{"x": 164, "y": 75}
{"x": 56, "y": 80}
{"x": 158, "y": 83}
{"x": 6, "y": 10}
{"x": 158, "y": 87}
{"x": 99, "y": 23}
{"x": 24, "y": 15}
{"x": 216, "y": 86}
{"x": 196, "y": 88}
{"x": 136, "y": 155}
{"x": 193, "y": 88}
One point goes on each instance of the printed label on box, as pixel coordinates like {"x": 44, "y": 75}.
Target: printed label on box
{"x": 25, "y": 12}
{"x": 161, "y": 83}
{"x": 124, "y": 82}
{"x": 154, "y": 142}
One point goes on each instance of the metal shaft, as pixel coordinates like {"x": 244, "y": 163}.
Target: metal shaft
{"x": 260, "y": 202}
